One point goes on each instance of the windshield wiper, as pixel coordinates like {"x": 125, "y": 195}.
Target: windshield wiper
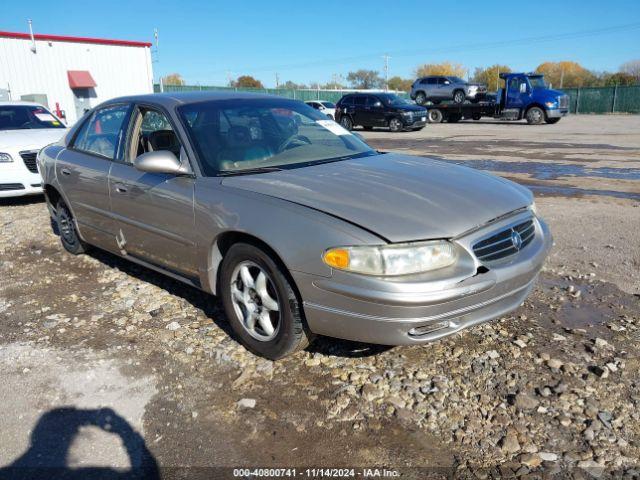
{"x": 248, "y": 171}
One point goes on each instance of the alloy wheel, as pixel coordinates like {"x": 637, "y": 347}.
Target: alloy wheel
{"x": 395, "y": 125}
{"x": 255, "y": 301}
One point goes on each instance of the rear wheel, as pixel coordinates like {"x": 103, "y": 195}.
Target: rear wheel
{"x": 535, "y": 116}
{"x": 395, "y": 124}
{"x": 421, "y": 98}
{"x": 67, "y": 228}
{"x": 476, "y": 116}
{"x": 434, "y": 115}
{"x": 552, "y": 120}
{"x": 458, "y": 96}
{"x": 260, "y": 303}
{"x": 346, "y": 122}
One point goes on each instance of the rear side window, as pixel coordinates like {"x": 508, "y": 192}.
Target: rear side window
{"x": 359, "y": 100}
{"x": 101, "y": 134}
{"x": 347, "y": 101}
{"x": 432, "y": 81}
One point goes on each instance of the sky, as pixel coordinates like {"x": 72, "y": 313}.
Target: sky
{"x": 209, "y": 41}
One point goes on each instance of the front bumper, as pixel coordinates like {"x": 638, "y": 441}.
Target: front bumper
{"x": 415, "y": 121}
{"x": 557, "y": 112}
{"x": 16, "y": 181}
{"x": 397, "y": 312}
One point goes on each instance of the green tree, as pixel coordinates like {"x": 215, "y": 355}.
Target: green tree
{"x": 400, "y": 84}
{"x": 567, "y": 74}
{"x": 490, "y": 76}
{"x": 618, "y": 78}
{"x": 173, "y": 79}
{"x": 246, "y": 81}
{"x": 365, "y": 79}
{"x": 443, "y": 68}
{"x": 292, "y": 85}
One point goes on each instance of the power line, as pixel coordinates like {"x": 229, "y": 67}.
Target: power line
{"x": 450, "y": 49}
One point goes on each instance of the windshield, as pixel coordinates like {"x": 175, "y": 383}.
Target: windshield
{"x": 393, "y": 100}
{"x": 537, "y": 82}
{"x": 20, "y": 117}
{"x": 232, "y": 136}
{"x": 456, "y": 80}
{"x": 328, "y": 104}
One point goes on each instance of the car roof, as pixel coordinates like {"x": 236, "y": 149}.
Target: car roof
{"x": 173, "y": 99}
{"x": 6, "y": 103}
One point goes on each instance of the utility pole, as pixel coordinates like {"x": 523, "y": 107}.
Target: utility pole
{"x": 229, "y": 78}
{"x": 561, "y": 77}
{"x": 386, "y": 71}
{"x": 277, "y": 81}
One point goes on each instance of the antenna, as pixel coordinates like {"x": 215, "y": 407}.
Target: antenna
{"x": 33, "y": 40}
{"x": 386, "y": 71}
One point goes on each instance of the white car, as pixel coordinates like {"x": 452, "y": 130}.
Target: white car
{"x": 328, "y": 108}
{"x": 25, "y": 128}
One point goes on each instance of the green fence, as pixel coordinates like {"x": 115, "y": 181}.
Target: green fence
{"x": 581, "y": 100}
{"x": 604, "y": 99}
{"x": 307, "y": 94}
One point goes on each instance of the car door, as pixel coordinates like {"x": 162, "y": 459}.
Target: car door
{"x": 445, "y": 88}
{"x": 359, "y": 110}
{"x": 375, "y": 111}
{"x": 516, "y": 89}
{"x": 154, "y": 211}
{"x": 83, "y": 172}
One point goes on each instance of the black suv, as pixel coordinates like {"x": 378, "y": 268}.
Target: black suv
{"x": 379, "y": 110}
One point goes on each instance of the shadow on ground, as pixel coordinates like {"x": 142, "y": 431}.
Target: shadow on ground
{"x": 53, "y": 436}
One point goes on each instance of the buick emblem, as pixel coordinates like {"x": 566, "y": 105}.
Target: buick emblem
{"x": 516, "y": 240}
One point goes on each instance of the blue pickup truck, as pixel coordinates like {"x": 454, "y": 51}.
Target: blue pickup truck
{"x": 524, "y": 96}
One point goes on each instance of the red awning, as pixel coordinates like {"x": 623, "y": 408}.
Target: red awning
{"x": 80, "y": 79}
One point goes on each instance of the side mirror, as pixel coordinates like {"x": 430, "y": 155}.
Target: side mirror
{"x": 161, "y": 161}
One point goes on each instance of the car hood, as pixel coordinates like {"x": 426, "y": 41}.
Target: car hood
{"x": 411, "y": 108}
{"x": 398, "y": 197}
{"x": 30, "y": 139}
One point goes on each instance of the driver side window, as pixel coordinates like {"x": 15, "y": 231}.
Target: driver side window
{"x": 152, "y": 132}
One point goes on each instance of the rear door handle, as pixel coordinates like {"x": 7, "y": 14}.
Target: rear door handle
{"x": 120, "y": 188}
{"x": 64, "y": 171}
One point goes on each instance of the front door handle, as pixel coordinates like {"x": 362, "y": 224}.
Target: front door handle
{"x": 64, "y": 171}
{"x": 120, "y": 188}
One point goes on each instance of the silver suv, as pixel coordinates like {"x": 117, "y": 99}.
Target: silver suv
{"x": 438, "y": 88}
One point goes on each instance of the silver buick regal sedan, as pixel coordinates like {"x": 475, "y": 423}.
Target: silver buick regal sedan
{"x": 295, "y": 223}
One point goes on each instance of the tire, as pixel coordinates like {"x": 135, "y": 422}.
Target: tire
{"x": 395, "y": 125}
{"x": 551, "y": 121}
{"x": 455, "y": 118}
{"x": 459, "y": 96}
{"x": 421, "y": 98}
{"x": 368, "y": 128}
{"x": 476, "y": 116}
{"x": 535, "y": 116}
{"x": 330, "y": 116}
{"x": 346, "y": 122}
{"x": 66, "y": 224}
{"x": 277, "y": 305}
{"x": 434, "y": 115}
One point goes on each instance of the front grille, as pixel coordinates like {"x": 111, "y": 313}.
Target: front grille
{"x": 505, "y": 242}
{"x": 563, "y": 102}
{"x": 11, "y": 186}
{"x": 29, "y": 159}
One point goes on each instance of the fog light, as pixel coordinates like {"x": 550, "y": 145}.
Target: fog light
{"x": 426, "y": 329}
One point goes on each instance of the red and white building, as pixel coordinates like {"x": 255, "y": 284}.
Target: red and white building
{"x": 72, "y": 74}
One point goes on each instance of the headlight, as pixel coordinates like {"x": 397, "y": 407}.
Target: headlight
{"x": 400, "y": 259}
{"x": 5, "y": 158}
{"x": 550, "y": 104}
{"x": 534, "y": 209}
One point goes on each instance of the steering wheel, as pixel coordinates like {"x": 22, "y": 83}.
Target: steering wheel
{"x": 292, "y": 139}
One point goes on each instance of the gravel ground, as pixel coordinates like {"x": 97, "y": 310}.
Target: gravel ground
{"x": 109, "y": 365}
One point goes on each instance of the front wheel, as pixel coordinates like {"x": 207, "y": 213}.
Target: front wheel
{"x": 69, "y": 237}
{"x": 421, "y": 98}
{"x": 458, "y": 96}
{"x": 260, "y": 303}
{"x": 346, "y": 122}
{"x": 552, "y": 120}
{"x": 535, "y": 116}
{"x": 395, "y": 125}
